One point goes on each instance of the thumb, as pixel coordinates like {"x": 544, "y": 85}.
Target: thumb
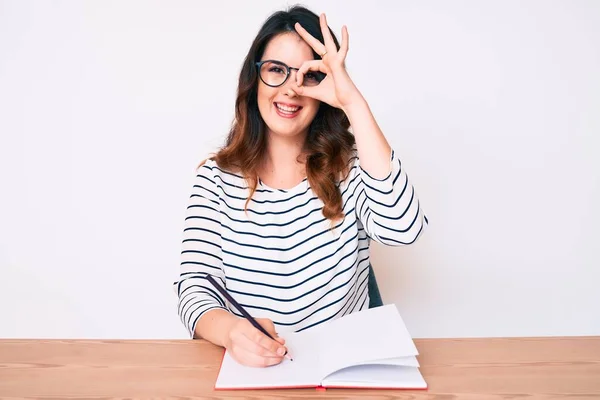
{"x": 268, "y": 325}
{"x": 279, "y": 339}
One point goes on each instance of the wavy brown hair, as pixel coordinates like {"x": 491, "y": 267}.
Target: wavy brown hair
{"x": 329, "y": 146}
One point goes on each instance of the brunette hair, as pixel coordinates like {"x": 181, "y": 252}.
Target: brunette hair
{"x": 329, "y": 146}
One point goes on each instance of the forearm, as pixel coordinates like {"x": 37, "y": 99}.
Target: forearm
{"x": 373, "y": 148}
{"x": 215, "y": 325}
{"x": 387, "y": 203}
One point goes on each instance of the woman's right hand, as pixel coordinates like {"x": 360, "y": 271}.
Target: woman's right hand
{"x": 249, "y": 346}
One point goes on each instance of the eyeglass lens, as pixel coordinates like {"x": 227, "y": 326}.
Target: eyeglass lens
{"x": 274, "y": 74}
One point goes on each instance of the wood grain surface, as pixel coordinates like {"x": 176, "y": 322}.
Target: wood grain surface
{"x": 473, "y": 369}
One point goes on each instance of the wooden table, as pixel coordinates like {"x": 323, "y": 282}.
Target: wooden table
{"x": 474, "y": 369}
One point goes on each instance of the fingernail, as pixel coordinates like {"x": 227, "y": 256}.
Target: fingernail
{"x": 281, "y": 351}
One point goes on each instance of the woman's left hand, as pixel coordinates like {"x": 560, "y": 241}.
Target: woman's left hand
{"x": 337, "y": 89}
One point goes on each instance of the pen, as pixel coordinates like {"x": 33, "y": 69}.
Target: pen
{"x": 242, "y": 310}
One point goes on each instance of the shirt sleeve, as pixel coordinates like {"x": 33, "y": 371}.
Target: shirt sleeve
{"x": 201, "y": 252}
{"x": 389, "y": 208}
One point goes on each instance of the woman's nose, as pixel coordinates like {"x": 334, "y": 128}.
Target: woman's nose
{"x": 290, "y": 84}
{"x": 290, "y": 93}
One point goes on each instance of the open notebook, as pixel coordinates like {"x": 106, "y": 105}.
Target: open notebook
{"x": 366, "y": 349}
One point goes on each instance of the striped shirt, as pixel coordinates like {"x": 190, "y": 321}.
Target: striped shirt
{"x": 281, "y": 260}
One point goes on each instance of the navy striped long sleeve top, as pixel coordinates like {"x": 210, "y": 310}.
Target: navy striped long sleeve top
{"x": 281, "y": 260}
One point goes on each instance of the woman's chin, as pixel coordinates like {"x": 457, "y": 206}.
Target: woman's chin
{"x": 286, "y": 131}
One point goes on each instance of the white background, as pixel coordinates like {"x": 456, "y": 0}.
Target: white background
{"x": 106, "y": 107}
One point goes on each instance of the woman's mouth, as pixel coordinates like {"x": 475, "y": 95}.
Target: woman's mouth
{"x": 287, "y": 111}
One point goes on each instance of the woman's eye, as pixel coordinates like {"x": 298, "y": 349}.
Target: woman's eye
{"x": 276, "y": 69}
{"x": 312, "y": 76}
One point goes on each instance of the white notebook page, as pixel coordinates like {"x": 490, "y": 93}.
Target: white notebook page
{"x": 410, "y": 361}
{"x": 381, "y": 376}
{"x": 374, "y": 334}
{"x": 300, "y": 372}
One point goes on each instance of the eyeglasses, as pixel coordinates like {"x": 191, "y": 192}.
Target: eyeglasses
{"x": 275, "y": 73}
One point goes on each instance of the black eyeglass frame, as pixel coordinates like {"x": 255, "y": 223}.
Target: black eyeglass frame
{"x": 289, "y": 69}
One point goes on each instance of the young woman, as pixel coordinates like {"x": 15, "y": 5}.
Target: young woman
{"x": 282, "y": 216}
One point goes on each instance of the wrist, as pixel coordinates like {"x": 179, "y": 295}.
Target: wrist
{"x": 227, "y": 324}
{"x": 356, "y": 103}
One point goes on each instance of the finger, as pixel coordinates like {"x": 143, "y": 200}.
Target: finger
{"x": 268, "y": 325}
{"x": 251, "y": 343}
{"x": 279, "y": 339}
{"x": 249, "y": 358}
{"x": 308, "y": 91}
{"x": 312, "y": 65}
{"x": 265, "y": 341}
{"x": 317, "y": 46}
{"x": 345, "y": 42}
{"x": 329, "y": 43}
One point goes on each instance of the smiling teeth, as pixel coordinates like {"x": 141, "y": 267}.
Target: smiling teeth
{"x": 288, "y": 109}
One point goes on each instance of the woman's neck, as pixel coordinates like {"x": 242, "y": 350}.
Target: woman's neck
{"x": 283, "y": 164}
